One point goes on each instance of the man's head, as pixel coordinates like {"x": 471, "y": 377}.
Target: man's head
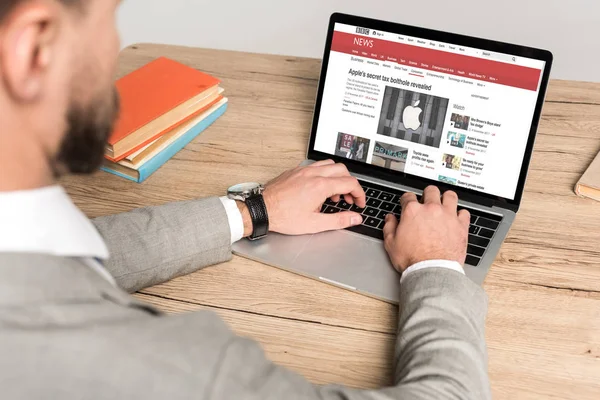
{"x": 57, "y": 96}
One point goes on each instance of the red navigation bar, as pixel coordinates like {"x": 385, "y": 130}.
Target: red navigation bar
{"x": 438, "y": 61}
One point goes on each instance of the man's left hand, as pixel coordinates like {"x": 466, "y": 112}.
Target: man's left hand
{"x": 294, "y": 200}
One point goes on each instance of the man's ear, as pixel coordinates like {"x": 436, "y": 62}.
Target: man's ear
{"x": 27, "y": 46}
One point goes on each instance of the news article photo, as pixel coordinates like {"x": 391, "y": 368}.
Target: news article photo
{"x": 390, "y": 156}
{"x": 445, "y": 179}
{"x": 352, "y": 147}
{"x": 412, "y": 116}
{"x": 460, "y": 121}
{"x": 456, "y": 139}
{"x": 451, "y": 162}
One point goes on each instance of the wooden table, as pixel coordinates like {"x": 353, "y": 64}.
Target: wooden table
{"x": 543, "y": 328}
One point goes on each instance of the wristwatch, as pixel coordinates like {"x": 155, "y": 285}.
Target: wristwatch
{"x": 252, "y": 194}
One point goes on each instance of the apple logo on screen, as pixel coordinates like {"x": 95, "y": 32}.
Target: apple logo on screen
{"x": 410, "y": 117}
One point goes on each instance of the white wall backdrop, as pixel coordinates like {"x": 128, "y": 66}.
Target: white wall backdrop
{"x": 568, "y": 28}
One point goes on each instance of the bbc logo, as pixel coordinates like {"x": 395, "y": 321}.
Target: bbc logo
{"x": 364, "y": 31}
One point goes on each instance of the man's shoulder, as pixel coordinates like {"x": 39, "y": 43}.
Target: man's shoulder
{"x": 121, "y": 351}
{"x": 30, "y": 269}
{"x": 8, "y": 258}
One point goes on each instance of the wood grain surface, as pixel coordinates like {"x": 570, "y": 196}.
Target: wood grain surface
{"x": 543, "y": 328}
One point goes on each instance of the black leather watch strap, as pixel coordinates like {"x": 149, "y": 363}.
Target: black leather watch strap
{"x": 258, "y": 212}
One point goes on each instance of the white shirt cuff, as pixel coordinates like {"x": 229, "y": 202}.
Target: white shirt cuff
{"x": 453, "y": 265}
{"x": 234, "y": 216}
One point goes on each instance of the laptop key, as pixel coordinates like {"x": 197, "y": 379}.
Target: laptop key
{"x": 472, "y": 260}
{"x": 474, "y": 230}
{"x": 482, "y": 214}
{"x": 371, "y": 212}
{"x": 373, "y": 202}
{"x": 382, "y": 214}
{"x": 473, "y": 218}
{"x": 342, "y": 204}
{"x": 381, "y": 224}
{"x": 387, "y": 206}
{"x": 478, "y": 241}
{"x": 487, "y": 233}
{"x": 367, "y": 231}
{"x": 371, "y": 221}
{"x": 331, "y": 210}
{"x": 487, "y": 223}
{"x": 330, "y": 202}
{"x": 323, "y": 207}
{"x": 397, "y": 209}
{"x": 372, "y": 193}
{"x": 396, "y": 199}
{"x": 475, "y": 250}
{"x": 386, "y": 196}
{"x": 357, "y": 209}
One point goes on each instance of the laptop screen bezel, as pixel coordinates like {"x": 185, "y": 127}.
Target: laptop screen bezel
{"x": 461, "y": 40}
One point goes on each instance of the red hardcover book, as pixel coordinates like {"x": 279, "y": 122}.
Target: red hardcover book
{"x": 155, "y": 99}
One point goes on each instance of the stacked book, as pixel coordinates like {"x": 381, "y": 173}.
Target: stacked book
{"x": 164, "y": 106}
{"x": 589, "y": 184}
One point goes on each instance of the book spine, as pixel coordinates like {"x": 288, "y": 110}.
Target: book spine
{"x": 158, "y": 160}
{"x": 159, "y": 134}
{"x": 112, "y": 171}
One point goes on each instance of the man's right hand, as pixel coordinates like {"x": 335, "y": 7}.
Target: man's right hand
{"x": 294, "y": 200}
{"x": 429, "y": 231}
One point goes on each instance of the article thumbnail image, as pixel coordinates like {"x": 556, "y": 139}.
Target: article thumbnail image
{"x": 445, "y": 179}
{"x": 456, "y": 139}
{"x": 460, "y": 121}
{"x": 390, "y": 156}
{"x": 451, "y": 162}
{"x": 352, "y": 147}
{"x": 412, "y": 116}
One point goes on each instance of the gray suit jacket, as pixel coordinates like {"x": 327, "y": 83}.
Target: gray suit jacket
{"x": 67, "y": 333}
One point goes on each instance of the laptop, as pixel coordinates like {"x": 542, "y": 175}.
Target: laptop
{"x": 404, "y": 108}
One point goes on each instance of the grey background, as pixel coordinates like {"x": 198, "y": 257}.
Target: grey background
{"x": 570, "y": 29}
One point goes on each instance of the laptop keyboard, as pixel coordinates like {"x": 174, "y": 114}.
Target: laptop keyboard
{"x": 382, "y": 201}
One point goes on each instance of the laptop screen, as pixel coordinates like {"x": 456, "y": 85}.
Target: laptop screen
{"x": 436, "y": 110}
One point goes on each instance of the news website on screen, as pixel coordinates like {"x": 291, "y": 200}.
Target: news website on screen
{"x": 445, "y": 112}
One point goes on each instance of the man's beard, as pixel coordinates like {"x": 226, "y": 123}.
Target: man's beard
{"x": 88, "y": 130}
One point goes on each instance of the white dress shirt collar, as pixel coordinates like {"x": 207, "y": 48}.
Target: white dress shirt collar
{"x": 45, "y": 221}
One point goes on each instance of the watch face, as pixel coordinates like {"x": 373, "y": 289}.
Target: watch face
{"x": 244, "y": 190}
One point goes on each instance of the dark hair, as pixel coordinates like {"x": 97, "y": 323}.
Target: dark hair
{"x": 6, "y": 6}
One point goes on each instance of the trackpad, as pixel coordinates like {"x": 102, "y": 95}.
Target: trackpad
{"x": 352, "y": 261}
{"x": 277, "y": 250}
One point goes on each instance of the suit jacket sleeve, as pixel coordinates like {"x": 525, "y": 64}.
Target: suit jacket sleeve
{"x": 152, "y": 245}
{"x": 441, "y": 352}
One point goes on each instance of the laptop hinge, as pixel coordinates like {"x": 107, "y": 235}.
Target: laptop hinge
{"x": 512, "y": 207}
{"x": 490, "y": 203}
{"x": 478, "y": 200}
